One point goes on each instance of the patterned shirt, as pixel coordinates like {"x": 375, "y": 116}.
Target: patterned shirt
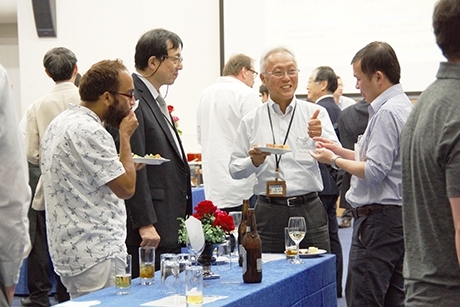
{"x": 86, "y": 221}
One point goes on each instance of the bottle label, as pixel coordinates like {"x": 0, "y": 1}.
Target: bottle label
{"x": 259, "y": 265}
{"x": 244, "y": 256}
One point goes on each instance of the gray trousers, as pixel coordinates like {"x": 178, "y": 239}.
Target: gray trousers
{"x": 272, "y": 219}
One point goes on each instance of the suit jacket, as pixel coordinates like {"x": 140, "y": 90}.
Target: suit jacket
{"x": 352, "y": 122}
{"x": 328, "y": 174}
{"x": 163, "y": 192}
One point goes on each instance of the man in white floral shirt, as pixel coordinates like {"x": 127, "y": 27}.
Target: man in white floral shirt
{"x": 85, "y": 180}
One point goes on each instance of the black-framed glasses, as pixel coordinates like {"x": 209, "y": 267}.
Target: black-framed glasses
{"x": 130, "y": 95}
{"x": 280, "y": 73}
{"x": 174, "y": 59}
{"x": 254, "y": 73}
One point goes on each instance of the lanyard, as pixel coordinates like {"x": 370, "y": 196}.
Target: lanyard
{"x": 278, "y": 157}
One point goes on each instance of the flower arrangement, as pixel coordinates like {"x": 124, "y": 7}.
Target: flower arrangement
{"x": 215, "y": 223}
{"x": 175, "y": 119}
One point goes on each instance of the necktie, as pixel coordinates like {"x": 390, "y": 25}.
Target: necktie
{"x": 164, "y": 108}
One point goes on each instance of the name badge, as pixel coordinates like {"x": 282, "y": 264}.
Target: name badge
{"x": 276, "y": 188}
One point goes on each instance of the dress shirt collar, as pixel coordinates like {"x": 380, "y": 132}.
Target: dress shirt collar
{"x": 384, "y": 97}
{"x": 324, "y": 96}
{"x": 276, "y": 108}
{"x": 448, "y": 70}
{"x": 149, "y": 85}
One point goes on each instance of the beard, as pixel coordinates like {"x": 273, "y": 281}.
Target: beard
{"x": 115, "y": 114}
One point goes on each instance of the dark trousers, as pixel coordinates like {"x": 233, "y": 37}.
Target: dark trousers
{"x": 272, "y": 219}
{"x": 38, "y": 265}
{"x": 330, "y": 204}
{"x": 376, "y": 260}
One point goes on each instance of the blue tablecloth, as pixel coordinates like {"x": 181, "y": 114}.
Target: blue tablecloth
{"x": 197, "y": 196}
{"x": 283, "y": 284}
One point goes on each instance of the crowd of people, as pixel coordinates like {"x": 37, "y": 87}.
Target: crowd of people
{"x": 88, "y": 204}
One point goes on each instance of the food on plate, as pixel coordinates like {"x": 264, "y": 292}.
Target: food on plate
{"x": 280, "y": 146}
{"x": 149, "y": 156}
{"x": 312, "y": 250}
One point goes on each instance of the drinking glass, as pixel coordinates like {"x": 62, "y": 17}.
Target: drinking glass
{"x": 147, "y": 264}
{"x": 290, "y": 248}
{"x": 194, "y": 286}
{"x": 223, "y": 255}
{"x": 184, "y": 262}
{"x": 123, "y": 275}
{"x": 237, "y": 216}
{"x": 297, "y": 229}
{"x": 169, "y": 271}
{"x": 195, "y": 253}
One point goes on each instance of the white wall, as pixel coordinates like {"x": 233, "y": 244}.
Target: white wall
{"x": 108, "y": 29}
{"x": 330, "y": 32}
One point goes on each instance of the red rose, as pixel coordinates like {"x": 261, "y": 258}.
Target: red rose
{"x": 205, "y": 207}
{"x": 170, "y": 108}
{"x": 223, "y": 220}
{"x": 197, "y": 216}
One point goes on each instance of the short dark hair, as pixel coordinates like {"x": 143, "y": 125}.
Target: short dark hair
{"x": 326, "y": 73}
{"x": 236, "y": 63}
{"x": 446, "y": 26}
{"x": 60, "y": 63}
{"x": 263, "y": 89}
{"x": 100, "y": 78}
{"x": 379, "y": 56}
{"x": 153, "y": 43}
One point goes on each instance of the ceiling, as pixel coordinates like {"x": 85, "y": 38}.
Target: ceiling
{"x": 8, "y": 11}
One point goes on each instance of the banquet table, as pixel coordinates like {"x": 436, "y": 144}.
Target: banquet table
{"x": 283, "y": 284}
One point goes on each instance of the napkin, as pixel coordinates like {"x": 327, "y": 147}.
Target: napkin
{"x": 79, "y": 304}
{"x": 195, "y": 233}
{"x": 180, "y": 300}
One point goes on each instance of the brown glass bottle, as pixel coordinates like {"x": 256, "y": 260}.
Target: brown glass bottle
{"x": 252, "y": 251}
{"x": 242, "y": 228}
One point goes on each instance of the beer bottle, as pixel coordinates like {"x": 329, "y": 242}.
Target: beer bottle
{"x": 242, "y": 228}
{"x": 252, "y": 251}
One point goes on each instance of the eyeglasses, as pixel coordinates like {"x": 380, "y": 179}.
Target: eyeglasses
{"x": 254, "y": 73}
{"x": 174, "y": 59}
{"x": 130, "y": 95}
{"x": 281, "y": 73}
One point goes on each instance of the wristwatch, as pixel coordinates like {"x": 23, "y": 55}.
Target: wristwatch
{"x": 334, "y": 166}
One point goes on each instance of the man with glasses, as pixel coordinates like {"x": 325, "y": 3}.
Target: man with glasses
{"x": 85, "y": 180}
{"x": 163, "y": 192}
{"x": 287, "y": 184}
{"x": 221, "y": 107}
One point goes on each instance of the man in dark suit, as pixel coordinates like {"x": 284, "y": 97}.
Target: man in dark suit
{"x": 163, "y": 192}
{"x": 321, "y": 87}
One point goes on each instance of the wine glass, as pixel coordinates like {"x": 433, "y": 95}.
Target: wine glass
{"x": 195, "y": 253}
{"x": 237, "y": 216}
{"x": 297, "y": 229}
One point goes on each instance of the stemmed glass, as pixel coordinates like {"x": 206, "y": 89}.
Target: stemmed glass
{"x": 297, "y": 229}
{"x": 195, "y": 253}
{"x": 237, "y": 216}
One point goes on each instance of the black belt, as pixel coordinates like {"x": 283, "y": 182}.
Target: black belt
{"x": 289, "y": 201}
{"x": 372, "y": 208}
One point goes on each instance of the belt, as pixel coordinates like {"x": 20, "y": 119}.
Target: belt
{"x": 288, "y": 201}
{"x": 372, "y": 208}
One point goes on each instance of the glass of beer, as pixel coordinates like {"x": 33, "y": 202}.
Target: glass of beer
{"x": 123, "y": 275}
{"x": 194, "y": 285}
{"x": 147, "y": 265}
{"x": 290, "y": 246}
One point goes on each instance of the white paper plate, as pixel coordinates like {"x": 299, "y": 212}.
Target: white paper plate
{"x": 150, "y": 161}
{"x": 305, "y": 254}
{"x": 276, "y": 151}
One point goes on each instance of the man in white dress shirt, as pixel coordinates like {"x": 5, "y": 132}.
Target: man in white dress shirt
{"x": 222, "y": 106}
{"x": 288, "y": 184}
{"x": 14, "y": 195}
